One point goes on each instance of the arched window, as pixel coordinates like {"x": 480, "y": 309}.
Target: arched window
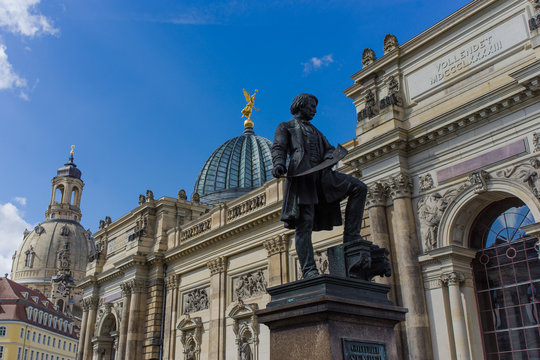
{"x": 507, "y": 281}
{"x": 58, "y": 194}
{"x": 74, "y": 196}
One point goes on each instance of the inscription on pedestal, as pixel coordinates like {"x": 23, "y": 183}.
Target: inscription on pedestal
{"x": 363, "y": 350}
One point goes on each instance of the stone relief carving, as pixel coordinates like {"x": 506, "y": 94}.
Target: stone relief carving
{"x": 39, "y": 229}
{"x": 368, "y": 57}
{"x": 425, "y": 182}
{"x": 246, "y": 330}
{"x": 370, "y": 108}
{"x": 191, "y": 336}
{"x": 400, "y": 186}
{"x": 321, "y": 261}
{"x": 393, "y": 85}
{"x": 276, "y": 244}
{"x": 249, "y": 285}
{"x": 390, "y": 43}
{"x": 526, "y": 172}
{"x": 195, "y": 300}
{"x": 479, "y": 179}
{"x": 536, "y": 141}
{"x": 430, "y": 210}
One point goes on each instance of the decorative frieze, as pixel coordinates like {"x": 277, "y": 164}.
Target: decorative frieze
{"x": 246, "y": 207}
{"x": 195, "y": 300}
{"x": 276, "y": 244}
{"x": 249, "y": 285}
{"x": 376, "y": 195}
{"x": 400, "y": 186}
{"x": 453, "y": 278}
{"x": 196, "y": 229}
{"x": 217, "y": 265}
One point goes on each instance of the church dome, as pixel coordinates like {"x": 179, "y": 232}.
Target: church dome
{"x": 235, "y": 168}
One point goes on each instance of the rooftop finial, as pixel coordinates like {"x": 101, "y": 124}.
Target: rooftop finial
{"x": 248, "y": 109}
{"x": 71, "y": 153}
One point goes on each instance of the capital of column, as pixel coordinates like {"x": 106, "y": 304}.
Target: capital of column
{"x": 137, "y": 285}
{"x": 400, "y": 186}
{"x": 90, "y": 303}
{"x": 171, "y": 281}
{"x": 453, "y": 278}
{"x": 276, "y": 244}
{"x": 376, "y": 195}
{"x": 217, "y": 265}
{"x": 126, "y": 290}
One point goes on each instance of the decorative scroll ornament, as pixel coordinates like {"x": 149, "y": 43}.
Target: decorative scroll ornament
{"x": 425, "y": 182}
{"x": 182, "y": 194}
{"x": 390, "y": 43}
{"x": 479, "y": 179}
{"x": 368, "y": 57}
{"x": 191, "y": 336}
{"x": 195, "y": 300}
{"x": 376, "y": 195}
{"x": 526, "y": 172}
{"x": 246, "y": 330}
{"x": 400, "y": 186}
{"x": 249, "y": 285}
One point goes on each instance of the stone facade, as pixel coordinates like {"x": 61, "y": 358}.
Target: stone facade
{"x": 447, "y": 125}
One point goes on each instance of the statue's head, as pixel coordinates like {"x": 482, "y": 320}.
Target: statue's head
{"x": 304, "y": 106}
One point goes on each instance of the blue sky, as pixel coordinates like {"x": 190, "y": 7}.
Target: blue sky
{"x": 146, "y": 90}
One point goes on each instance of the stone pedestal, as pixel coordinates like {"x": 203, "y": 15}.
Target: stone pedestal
{"x": 330, "y": 317}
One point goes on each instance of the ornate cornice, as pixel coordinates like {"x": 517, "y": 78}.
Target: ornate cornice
{"x": 453, "y": 278}
{"x": 276, "y": 244}
{"x": 400, "y": 186}
{"x": 217, "y": 265}
{"x": 376, "y": 195}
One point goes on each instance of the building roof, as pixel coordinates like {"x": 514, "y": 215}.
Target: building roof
{"x": 235, "y": 168}
{"x": 15, "y": 299}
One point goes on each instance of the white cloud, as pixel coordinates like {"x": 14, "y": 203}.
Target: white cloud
{"x": 22, "y": 17}
{"x": 316, "y": 63}
{"x": 12, "y": 226}
{"x": 8, "y": 78}
{"x": 21, "y": 200}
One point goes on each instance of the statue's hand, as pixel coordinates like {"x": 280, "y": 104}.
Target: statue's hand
{"x": 278, "y": 171}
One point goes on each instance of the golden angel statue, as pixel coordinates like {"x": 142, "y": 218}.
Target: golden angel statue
{"x": 246, "y": 112}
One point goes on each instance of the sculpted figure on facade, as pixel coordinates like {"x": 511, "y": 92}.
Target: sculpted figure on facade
{"x": 390, "y": 43}
{"x": 149, "y": 196}
{"x": 195, "y": 198}
{"x": 191, "y": 336}
{"x": 313, "y": 191}
{"x": 479, "y": 180}
{"x": 536, "y": 142}
{"x": 245, "y": 328}
{"x": 526, "y": 172}
{"x": 182, "y": 194}
{"x": 142, "y": 199}
{"x": 425, "y": 182}
{"x": 368, "y": 57}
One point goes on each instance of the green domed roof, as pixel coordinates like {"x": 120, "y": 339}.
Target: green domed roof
{"x": 235, "y": 168}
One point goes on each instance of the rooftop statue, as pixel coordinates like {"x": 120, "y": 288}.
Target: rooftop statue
{"x": 248, "y": 109}
{"x": 313, "y": 190}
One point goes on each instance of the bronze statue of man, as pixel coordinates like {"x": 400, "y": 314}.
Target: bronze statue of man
{"x": 311, "y": 201}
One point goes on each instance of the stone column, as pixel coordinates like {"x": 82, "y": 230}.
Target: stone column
{"x": 93, "y": 303}
{"x": 126, "y": 294}
{"x": 84, "y": 323}
{"x": 135, "y": 325}
{"x": 278, "y": 269}
{"x": 459, "y": 325}
{"x": 410, "y": 277}
{"x": 218, "y": 267}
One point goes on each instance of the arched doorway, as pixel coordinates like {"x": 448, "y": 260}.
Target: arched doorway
{"x": 106, "y": 342}
{"x": 506, "y": 272}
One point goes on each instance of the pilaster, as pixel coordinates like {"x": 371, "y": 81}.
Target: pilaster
{"x": 92, "y": 303}
{"x": 278, "y": 269}
{"x": 218, "y": 268}
{"x": 138, "y": 290}
{"x": 126, "y": 299}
